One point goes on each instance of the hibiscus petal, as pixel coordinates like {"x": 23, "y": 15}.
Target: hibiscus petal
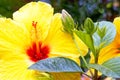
{"x": 60, "y": 42}
{"x": 66, "y": 76}
{"x": 14, "y": 38}
{"x": 39, "y": 12}
{"x": 106, "y": 53}
{"x": 117, "y": 24}
{"x": 17, "y": 69}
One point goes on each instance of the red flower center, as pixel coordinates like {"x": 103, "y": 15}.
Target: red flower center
{"x": 37, "y": 51}
{"x": 35, "y": 54}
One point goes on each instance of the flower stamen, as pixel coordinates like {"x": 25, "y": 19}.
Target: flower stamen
{"x": 34, "y": 24}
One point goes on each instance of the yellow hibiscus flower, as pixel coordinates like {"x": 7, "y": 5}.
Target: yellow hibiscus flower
{"x": 34, "y": 34}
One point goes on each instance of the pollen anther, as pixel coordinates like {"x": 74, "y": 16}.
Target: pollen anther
{"x": 34, "y": 24}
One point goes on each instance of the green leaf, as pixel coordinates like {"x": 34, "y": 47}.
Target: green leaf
{"x": 105, "y": 34}
{"x": 7, "y": 7}
{"x": 58, "y": 64}
{"x": 109, "y": 68}
{"x": 86, "y": 38}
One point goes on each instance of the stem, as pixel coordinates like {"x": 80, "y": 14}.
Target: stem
{"x": 82, "y": 55}
{"x": 96, "y": 71}
{"x": 80, "y": 51}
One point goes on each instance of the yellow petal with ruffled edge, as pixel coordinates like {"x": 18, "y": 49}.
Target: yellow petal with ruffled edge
{"x": 60, "y": 42}
{"x": 39, "y": 12}
{"x": 14, "y": 38}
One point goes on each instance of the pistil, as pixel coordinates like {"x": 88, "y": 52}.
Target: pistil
{"x": 34, "y": 24}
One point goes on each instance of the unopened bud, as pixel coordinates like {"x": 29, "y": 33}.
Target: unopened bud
{"x": 68, "y": 22}
{"x": 89, "y": 26}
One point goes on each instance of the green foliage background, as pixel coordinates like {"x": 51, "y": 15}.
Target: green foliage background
{"x": 7, "y": 7}
{"x": 79, "y": 9}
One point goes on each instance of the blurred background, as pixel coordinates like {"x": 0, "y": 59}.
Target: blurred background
{"x": 79, "y": 9}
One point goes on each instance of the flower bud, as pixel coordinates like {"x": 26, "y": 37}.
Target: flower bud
{"x": 89, "y": 26}
{"x": 68, "y": 22}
